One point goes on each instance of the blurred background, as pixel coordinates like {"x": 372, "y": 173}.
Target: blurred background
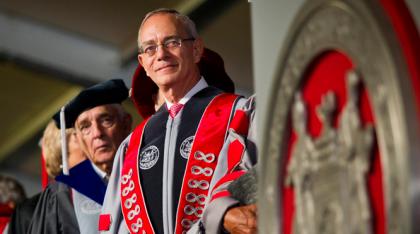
{"x": 51, "y": 49}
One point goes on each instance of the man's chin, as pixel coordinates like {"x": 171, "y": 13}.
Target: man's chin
{"x": 168, "y": 78}
{"x": 104, "y": 158}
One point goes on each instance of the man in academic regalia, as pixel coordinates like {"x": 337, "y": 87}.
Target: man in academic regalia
{"x": 165, "y": 173}
{"x": 72, "y": 203}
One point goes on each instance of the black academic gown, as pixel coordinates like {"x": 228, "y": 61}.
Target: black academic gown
{"x": 22, "y": 215}
{"x": 54, "y": 212}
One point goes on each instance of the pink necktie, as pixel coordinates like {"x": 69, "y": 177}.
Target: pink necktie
{"x": 175, "y": 108}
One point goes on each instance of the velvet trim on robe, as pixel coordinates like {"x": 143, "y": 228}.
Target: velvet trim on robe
{"x": 85, "y": 180}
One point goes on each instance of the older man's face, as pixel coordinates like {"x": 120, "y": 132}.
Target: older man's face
{"x": 100, "y": 131}
{"x": 168, "y": 66}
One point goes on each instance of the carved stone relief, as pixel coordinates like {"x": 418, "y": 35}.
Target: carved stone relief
{"x": 329, "y": 173}
{"x": 358, "y": 29}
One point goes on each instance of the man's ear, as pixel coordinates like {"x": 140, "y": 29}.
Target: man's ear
{"x": 198, "y": 49}
{"x": 140, "y": 59}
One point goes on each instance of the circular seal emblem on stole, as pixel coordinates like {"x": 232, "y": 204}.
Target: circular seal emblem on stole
{"x": 186, "y": 146}
{"x": 90, "y": 207}
{"x": 149, "y": 157}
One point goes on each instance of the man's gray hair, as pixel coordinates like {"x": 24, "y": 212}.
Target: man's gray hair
{"x": 189, "y": 25}
{"x": 121, "y": 112}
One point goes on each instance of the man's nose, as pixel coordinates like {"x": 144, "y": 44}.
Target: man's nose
{"x": 161, "y": 52}
{"x": 97, "y": 130}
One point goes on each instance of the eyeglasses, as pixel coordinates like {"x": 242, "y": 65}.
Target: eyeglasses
{"x": 170, "y": 43}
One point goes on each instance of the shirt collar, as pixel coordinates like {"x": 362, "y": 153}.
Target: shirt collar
{"x": 98, "y": 171}
{"x": 201, "y": 84}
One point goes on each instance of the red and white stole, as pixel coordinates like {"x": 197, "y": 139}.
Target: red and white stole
{"x": 208, "y": 142}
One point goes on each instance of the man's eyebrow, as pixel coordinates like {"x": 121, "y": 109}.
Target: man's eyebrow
{"x": 164, "y": 39}
{"x": 106, "y": 114}
{"x": 148, "y": 42}
{"x": 81, "y": 122}
{"x": 170, "y": 37}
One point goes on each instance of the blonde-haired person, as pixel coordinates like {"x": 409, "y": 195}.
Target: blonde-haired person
{"x": 51, "y": 151}
{"x": 51, "y": 147}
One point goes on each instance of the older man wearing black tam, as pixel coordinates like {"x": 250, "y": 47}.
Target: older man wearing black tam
{"x": 72, "y": 203}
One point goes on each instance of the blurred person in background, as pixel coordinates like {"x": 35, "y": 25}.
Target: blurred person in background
{"x": 11, "y": 194}
{"x": 51, "y": 148}
{"x": 51, "y": 153}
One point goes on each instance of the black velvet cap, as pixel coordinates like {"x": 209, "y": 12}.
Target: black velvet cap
{"x": 107, "y": 92}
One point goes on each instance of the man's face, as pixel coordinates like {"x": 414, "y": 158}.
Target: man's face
{"x": 168, "y": 66}
{"x": 100, "y": 131}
